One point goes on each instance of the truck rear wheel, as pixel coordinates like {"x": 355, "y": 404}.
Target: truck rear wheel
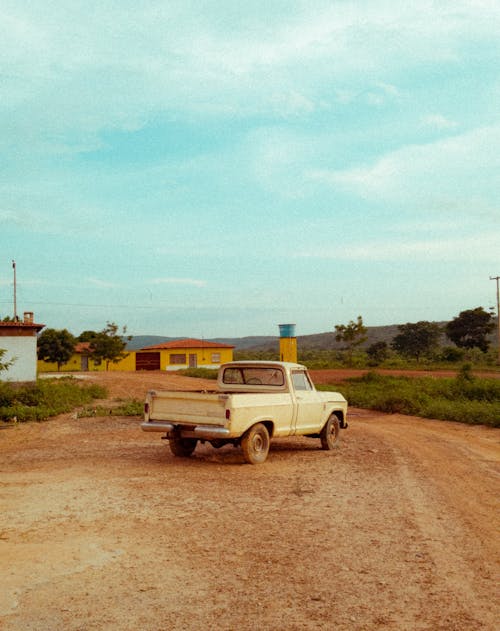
{"x": 182, "y": 447}
{"x": 255, "y": 444}
{"x": 330, "y": 433}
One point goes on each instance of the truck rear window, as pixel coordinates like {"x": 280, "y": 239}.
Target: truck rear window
{"x": 253, "y": 376}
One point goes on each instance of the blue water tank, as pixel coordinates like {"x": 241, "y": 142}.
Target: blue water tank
{"x": 287, "y": 330}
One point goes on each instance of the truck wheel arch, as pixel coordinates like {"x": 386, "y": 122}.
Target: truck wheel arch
{"x": 255, "y": 443}
{"x": 265, "y": 421}
{"x": 329, "y": 435}
{"x": 340, "y": 415}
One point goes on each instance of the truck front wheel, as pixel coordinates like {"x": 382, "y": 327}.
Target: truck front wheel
{"x": 182, "y": 447}
{"x": 330, "y": 433}
{"x": 255, "y": 444}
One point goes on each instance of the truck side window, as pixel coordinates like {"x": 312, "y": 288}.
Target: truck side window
{"x": 300, "y": 380}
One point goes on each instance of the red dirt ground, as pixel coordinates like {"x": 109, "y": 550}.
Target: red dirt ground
{"x": 102, "y": 528}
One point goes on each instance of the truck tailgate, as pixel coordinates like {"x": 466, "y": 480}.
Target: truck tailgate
{"x": 188, "y": 408}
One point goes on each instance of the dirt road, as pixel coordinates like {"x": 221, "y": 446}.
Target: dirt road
{"x": 101, "y": 528}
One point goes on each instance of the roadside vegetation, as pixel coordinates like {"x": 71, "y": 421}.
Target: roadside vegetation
{"x": 129, "y": 407}
{"x": 445, "y": 358}
{"x": 465, "y": 399}
{"x": 199, "y": 373}
{"x": 45, "y": 398}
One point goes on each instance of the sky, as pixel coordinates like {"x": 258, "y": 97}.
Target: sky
{"x": 215, "y": 168}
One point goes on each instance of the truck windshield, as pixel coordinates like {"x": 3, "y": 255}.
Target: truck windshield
{"x": 253, "y": 375}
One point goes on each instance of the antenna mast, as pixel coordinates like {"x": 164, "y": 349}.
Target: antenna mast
{"x": 15, "y": 291}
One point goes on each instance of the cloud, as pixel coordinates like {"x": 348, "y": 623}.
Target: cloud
{"x": 120, "y": 65}
{"x": 178, "y": 281}
{"x": 459, "y": 174}
{"x": 103, "y": 284}
{"x": 481, "y": 246}
{"x": 438, "y": 121}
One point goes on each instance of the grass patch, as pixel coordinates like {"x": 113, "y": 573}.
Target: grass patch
{"x": 463, "y": 399}
{"x": 132, "y": 407}
{"x": 199, "y": 373}
{"x": 45, "y": 398}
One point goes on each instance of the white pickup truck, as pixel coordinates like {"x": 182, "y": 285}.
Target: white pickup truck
{"x": 254, "y": 402}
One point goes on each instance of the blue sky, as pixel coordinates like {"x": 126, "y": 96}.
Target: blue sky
{"x": 212, "y": 169}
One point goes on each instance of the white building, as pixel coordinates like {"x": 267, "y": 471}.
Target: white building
{"x": 19, "y": 339}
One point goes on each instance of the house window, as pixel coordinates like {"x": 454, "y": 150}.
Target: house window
{"x": 178, "y": 358}
{"x": 215, "y": 358}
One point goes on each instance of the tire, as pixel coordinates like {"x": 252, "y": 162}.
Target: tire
{"x": 182, "y": 447}
{"x": 330, "y": 433}
{"x": 255, "y": 444}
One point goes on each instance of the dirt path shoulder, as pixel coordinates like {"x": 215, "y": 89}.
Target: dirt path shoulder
{"x": 102, "y": 528}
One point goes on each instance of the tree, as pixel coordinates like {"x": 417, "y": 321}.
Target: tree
{"x": 471, "y": 328}
{"x": 352, "y": 335}
{"x": 417, "y": 339}
{"x": 378, "y": 352}
{"x": 5, "y": 365}
{"x": 108, "y": 345}
{"x": 86, "y": 336}
{"x": 56, "y": 346}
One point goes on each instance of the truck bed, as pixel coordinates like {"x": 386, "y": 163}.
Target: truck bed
{"x": 188, "y": 407}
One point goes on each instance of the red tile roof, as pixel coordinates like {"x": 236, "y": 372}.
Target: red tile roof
{"x": 189, "y": 343}
{"x": 82, "y": 347}
{"x": 21, "y": 325}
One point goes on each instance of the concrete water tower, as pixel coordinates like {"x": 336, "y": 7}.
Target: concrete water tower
{"x": 288, "y": 343}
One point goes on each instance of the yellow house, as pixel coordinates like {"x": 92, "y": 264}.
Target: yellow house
{"x": 181, "y": 354}
{"x": 176, "y": 355}
{"x": 82, "y": 362}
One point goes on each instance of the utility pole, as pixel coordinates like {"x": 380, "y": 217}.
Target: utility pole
{"x": 497, "y": 278}
{"x": 15, "y": 291}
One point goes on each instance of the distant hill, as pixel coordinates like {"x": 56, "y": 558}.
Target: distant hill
{"x": 141, "y": 341}
{"x": 326, "y": 341}
{"x": 316, "y": 341}
{"x": 252, "y": 341}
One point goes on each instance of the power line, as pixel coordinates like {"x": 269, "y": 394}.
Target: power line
{"x": 97, "y": 306}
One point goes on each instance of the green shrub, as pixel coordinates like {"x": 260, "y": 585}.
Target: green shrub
{"x": 46, "y": 398}
{"x": 466, "y": 400}
{"x": 464, "y": 411}
{"x": 132, "y": 407}
{"x": 451, "y": 354}
{"x": 199, "y": 373}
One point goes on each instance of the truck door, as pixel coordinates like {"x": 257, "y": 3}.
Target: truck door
{"x": 309, "y": 412}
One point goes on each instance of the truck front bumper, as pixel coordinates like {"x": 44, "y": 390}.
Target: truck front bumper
{"x": 197, "y": 431}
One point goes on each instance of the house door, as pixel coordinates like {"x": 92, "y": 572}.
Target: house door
{"x": 193, "y": 360}
{"x": 147, "y": 361}
{"x": 85, "y": 362}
